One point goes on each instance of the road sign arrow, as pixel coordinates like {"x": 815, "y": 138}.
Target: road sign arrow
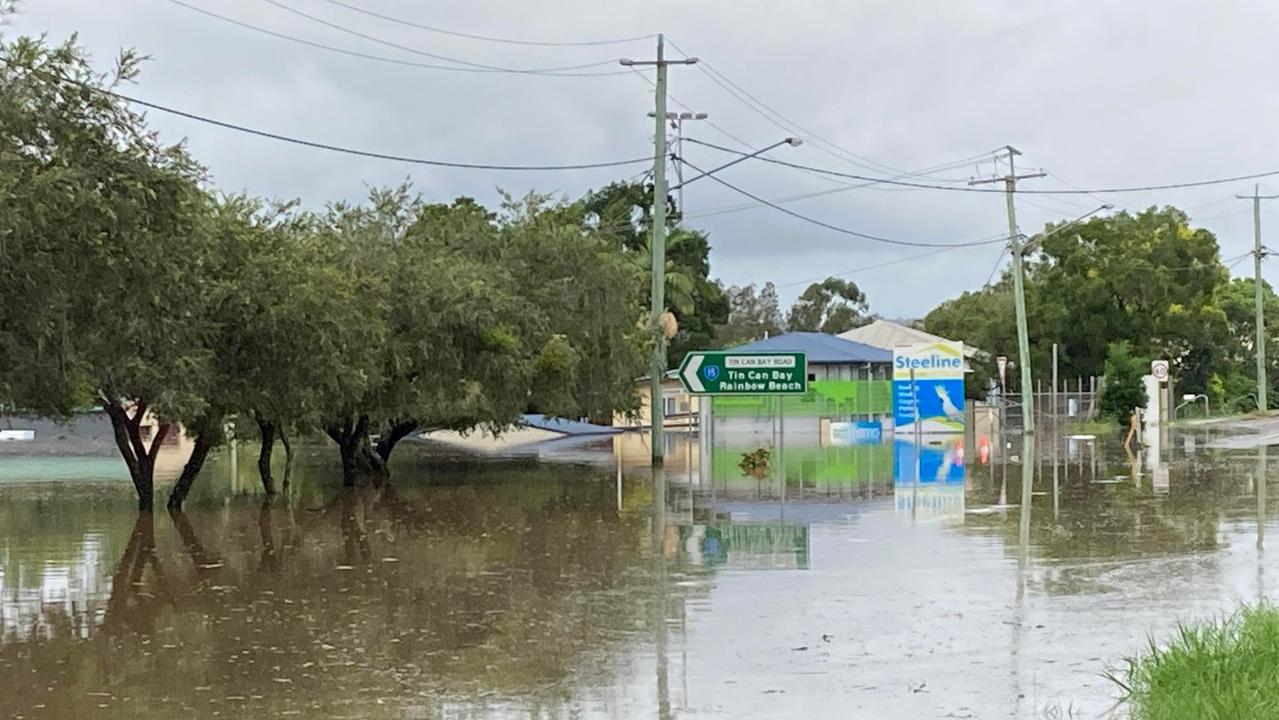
{"x": 691, "y": 379}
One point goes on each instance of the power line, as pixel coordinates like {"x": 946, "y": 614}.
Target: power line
{"x": 885, "y": 264}
{"x": 828, "y": 226}
{"x": 768, "y": 113}
{"x": 416, "y": 51}
{"x": 841, "y": 185}
{"x": 319, "y": 145}
{"x": 489, "y": 38}
{"x": 821, "y": 193}
{"x": 367, "y": 56}
{"x": 891, "y": 181}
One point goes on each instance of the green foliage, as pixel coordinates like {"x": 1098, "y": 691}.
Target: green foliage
{"x": 831, "y": 306}
{"x": 621, "y": 214}
{"x": 1227, "y": 668}
{"x": 1148, "y": 278}
{"x": 1123, "y": 390}
{"x": 755, "y": 463}
{"x": 122, "y": 278}
{"x": 103, "y": 233}
{"x": 752, "y": 315}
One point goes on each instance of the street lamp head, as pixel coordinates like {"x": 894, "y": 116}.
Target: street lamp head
{"x": 700, "y": 116}
{"x": 794, "y": 141}
{"x": 626, "y": 62}
{"x": 1107, "y": 206}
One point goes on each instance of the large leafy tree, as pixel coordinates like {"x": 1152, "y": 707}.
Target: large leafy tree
{"x": 487, "y": 315}
{"x": 621, "y": 213}
{"x": 104, "y": 229}
{"x": 752, "y": 314}
{"x": 1235, "y": 383}
{"x": 831, "y": 306}
{"x": 1148, "y": 278}
{"x": 287, "y": 330}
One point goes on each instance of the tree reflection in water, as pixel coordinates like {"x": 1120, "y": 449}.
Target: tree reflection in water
{"x": 471, "y": 597}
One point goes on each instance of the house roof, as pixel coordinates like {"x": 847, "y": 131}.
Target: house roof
{"x": 887, "y": 334}
{"x": 567, "y": 427}
{"x": 820, "y": 348}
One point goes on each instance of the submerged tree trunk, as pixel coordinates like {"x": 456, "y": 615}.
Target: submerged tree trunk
{"x": 288, "y": 458}
{"x": 138, "y": 456}
{"x": 399, "y": 430}
{"x": 267, "y": 428}
{"x": 358, "y": 457}
{"x": 206, "y": 438}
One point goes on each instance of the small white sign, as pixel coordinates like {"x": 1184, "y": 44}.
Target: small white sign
{"x": 759, "y": 361}
{"x": 1159, "y": 369}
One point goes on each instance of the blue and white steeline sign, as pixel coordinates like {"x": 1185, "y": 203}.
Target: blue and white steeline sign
{"x": 937, "y": 398}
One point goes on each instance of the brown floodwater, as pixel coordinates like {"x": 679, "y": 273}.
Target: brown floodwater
{"x": 573, "y": 583}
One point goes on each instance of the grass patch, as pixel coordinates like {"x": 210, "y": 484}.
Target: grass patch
{"x": 1092, "y": 427}
{"x": 1227, "y": 668}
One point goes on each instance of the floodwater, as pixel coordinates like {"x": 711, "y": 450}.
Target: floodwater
{"x": 877, "y": 582}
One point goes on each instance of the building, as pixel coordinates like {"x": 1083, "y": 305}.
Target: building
{"x": 679, "y": 409}
{"x": 886, "y": 334}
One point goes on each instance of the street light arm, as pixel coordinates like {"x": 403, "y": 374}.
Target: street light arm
{"x": 1033, "y": 243}
{"x": 793, "y": 142}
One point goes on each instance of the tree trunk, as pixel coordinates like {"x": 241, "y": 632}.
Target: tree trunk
{"x": 204, "y": 562}
{"x": 205, "y": 439}
{"x": 267, "y": 429}
{"x": 288, "y": 459}
{"x": 399, "y": 430}
{"x": 358, "y": 457}
{"x": 139, "y": 458}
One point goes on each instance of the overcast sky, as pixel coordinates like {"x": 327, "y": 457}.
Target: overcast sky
{"x": 1096, "y": 93}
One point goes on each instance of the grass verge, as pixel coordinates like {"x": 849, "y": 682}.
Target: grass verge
{"x": 1092, "y": 427}
{"x": 1227, "y": 668}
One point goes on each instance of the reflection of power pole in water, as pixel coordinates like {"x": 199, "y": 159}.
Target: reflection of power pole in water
{"x": 1262, "y": 470}
{"x": 1023, "y": 560}
{"x": 658, "y": 614}
{"x": 782, "y": 443}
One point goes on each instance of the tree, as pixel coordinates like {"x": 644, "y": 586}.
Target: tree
{"x": 982, "y": 319}
{"x": 752, "y": 315}
{"x": 1123, "y": 390}
{"x": 1235, "y": 384}
{"x": 104, "y": 230}
{"x": 830, "y": 306}
{"x": 1148, "y": 278}
{"x": 486, "y": 315}
{"x": 621, "y": 213}
{"x": 287, "y": 331}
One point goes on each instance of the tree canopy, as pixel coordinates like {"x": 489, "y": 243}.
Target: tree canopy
{"x": 126, "y": 280}
{"x": 833, "y": 306}
{"x": 1148, "y": 278}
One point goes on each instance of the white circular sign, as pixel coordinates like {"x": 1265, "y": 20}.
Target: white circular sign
{"x": 1159, "y": 369}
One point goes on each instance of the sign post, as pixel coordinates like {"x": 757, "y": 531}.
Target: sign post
{"x": 729, "y": 373}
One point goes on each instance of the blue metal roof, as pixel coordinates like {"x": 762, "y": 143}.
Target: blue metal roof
{"x": 568, "y": 427}
{"x": 820, "y": 348}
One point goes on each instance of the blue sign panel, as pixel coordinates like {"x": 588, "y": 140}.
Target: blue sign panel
{"x": 937, "y": 464}
{"x": 936, "y": 395}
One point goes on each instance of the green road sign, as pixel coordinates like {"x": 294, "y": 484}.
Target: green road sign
{"x": 758, "y": 373}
